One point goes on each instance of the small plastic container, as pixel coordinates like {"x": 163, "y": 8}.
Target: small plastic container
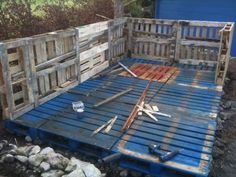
{"x": 78, "y": 106}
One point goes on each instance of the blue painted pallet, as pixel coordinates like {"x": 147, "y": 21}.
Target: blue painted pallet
{"x": 191, "y": 98}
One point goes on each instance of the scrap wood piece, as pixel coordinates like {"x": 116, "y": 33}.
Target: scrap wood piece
{"x": 155, "y": 108}
{"x": 140, "y": 112}
{"x": 135, "y": 110}
{"x": 127, "y": 69}
{"x": 112, "y": 98}
{"x": 108, "y": 125}
{"x": 148, "y": 107}
{"x": 148, "y": 113}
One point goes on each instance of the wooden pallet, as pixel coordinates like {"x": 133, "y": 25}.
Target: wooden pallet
{"x": 191, "y": 128}
{"x": 38, "y": 68}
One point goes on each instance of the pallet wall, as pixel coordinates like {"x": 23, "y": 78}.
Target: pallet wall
{"x": 38, "y": 68}
{"x": 184, "y": 41}
{"x": 198, "y": 42}
{"x": 152, "y": 38}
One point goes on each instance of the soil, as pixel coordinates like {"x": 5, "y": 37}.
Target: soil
{"x": 224, "y": 156}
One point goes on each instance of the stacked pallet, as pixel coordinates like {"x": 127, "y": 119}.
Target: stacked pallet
{"x": 38, "y": 68}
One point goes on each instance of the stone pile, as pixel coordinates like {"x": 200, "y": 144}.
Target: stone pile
{"x": 32, "y": 161}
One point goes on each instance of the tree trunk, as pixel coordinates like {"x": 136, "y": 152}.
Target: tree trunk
{"x": 118, "y": 8}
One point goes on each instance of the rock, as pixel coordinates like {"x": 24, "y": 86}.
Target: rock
{"x": 22, "y": 159}
{"x": 1, "y": 146}
{"x": 219, "y": 144}
{"x": 217, "y": 152}
{"x": 8, "y": 158}
{"x": 124, "y": 173}
{"x": 35, "y": 160}
{"x": 56, "y": 160}
{"x": 89, "y": 169}
{"x": 46, "y": 151}
{"x": 12, "y": 146}
{"x": 24, "y": 150}
{"x": 76, "y": 173}
{"x": 226, "y": 105}
{"x": 233, "y": 104}
{"x": 35, "y": 150}
{"x": 53, "y": 173}
{"x": 28, "y": 139}
{"x": 4, "y": 142}
{"x": 45, "y": 166}
{"x": 12, "y": 152}
{"x": 227, "y": 114}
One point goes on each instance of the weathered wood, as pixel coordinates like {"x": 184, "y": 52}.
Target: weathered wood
{"x": 9, "y": 110}
{"x": 39, "y": 68}
{"x": 112, "y": 98}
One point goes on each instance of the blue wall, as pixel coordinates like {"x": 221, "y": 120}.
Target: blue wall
{"x": 211, "y": 10}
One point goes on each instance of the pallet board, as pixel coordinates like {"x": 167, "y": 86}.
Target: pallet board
{"x": 39, "y": 68}
{"x": 152, "y": 72}
{"x": 191, "y": 128}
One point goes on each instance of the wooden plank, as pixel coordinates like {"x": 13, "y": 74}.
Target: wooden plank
{"x": 93, "y": 28}
{"x": 32, "y": 68}
{"x": 112, "y": 98}
{"x": 178, "y": 40}
{"x": 94, "y": 71}
{"x": 93, "y": 51}
{"x": 28, "y": 72}
{"x": 200, "y": 43}
{"x": 7, "y": 80}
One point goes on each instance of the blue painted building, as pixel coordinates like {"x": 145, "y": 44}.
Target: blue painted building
{"x": 211, "y": 10}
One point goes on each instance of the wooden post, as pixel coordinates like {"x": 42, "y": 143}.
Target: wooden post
{"x": 8, "y": 112}
{"x": 118, "y": 8}
{"x": 77, "y": 61}
{"x": 110, "y": 38}
{"x": 178, "y": 39}
{"x": 33, "y": 75}
{"x": 130, "y": 37}
{"x": 30, "y": 80}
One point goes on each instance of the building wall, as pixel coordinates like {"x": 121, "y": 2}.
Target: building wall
{"x": 211, "y": 10}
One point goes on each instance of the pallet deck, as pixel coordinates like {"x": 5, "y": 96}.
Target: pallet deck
{"x": 190, "y": 96}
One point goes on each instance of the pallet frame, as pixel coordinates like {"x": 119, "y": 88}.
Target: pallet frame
{"x": 38, "y": 68}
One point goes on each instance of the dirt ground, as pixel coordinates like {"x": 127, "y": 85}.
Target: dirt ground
{"x": 224, "y": 156}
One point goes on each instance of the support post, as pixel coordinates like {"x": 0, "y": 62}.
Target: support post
{"x": 9, "y": 109}
{"x": 30, "y": 80}
{"x": 110, "y": 38}
{"x": 130, "y": 37}
{"x": 77, "y": 61}
{"x": 178, "y": 40}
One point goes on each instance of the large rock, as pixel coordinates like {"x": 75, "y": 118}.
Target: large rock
{"x": 22, "y": 159}
{"x": 89, "y": 169}
{"x": 35, "y": 160}
{"x": 53, "y": 173}
{"x": 56, "y": 160}
{"x": 8, "y": 158}
{"x": 46, "y": 151}
{"x": 25, "y": 150}
{"x": 34, "y": 150}
{"x": 45, "y": 166}
{"x": 28, "y": 139}
{"x": 76, "y": 173}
